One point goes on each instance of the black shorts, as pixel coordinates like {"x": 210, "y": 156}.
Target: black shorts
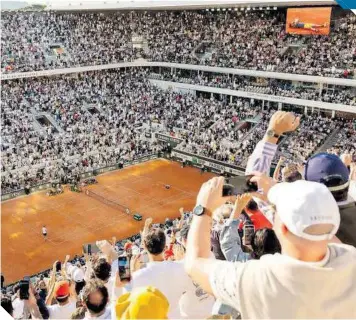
{"x": 44, "y": 234}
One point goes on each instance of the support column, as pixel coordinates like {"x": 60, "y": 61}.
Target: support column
{"x": 230, "y": 99}
{"x": 263, "y": 105}
{"x": 320, "y": 90}
{"x": 306, "y": 111}
{"x": 333, "y": 114}
{"x": 280, "y": 105}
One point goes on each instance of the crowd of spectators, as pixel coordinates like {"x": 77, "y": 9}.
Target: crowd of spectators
{"x": 98, "y": 117}
{"x": 206, "y": 263}
{"x": 251, "y": 39}
{"x": 271, "y": 87}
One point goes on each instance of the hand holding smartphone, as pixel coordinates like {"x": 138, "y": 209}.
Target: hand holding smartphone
{"x": 238, "y": 185}
{"x": 249, "y": 230}
{"x": 90, "y": 248}
{"x": 24, "y": 288}
{"x": 124, "y": 268}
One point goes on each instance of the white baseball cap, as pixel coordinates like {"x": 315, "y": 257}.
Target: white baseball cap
{"x": 78, "y": 275}
{"x": 302, "y": 204}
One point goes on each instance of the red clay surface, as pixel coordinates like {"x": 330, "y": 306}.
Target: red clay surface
{"x": 317, "y": 16}
{"x": 73, "y": 219}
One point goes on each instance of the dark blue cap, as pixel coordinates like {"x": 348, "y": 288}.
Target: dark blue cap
{"x": 324, "y": 167}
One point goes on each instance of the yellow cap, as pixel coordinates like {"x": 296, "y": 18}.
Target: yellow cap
{"x": 142, "y": 303}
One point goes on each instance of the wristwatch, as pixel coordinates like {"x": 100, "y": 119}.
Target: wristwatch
{"x": 272, "y": 134}
{"x": 199, "y": 210}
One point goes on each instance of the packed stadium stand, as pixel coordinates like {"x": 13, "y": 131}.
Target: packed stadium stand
{"x": 251, "y": 39}
{"x": 286, "y": 229}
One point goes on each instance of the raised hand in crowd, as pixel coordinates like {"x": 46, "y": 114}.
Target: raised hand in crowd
{"x": 135, "y": 263}
{"x": 240, "y": 203}
{"x": 264, "y": 183}
{"x": 278, "y": 168}
{"x": 281, "y": 122}
{"x": 178, "y": 252}
{"x": 31, "y": 303}
{"x": 208, "y": 196}
{"x": 346, "y": 159}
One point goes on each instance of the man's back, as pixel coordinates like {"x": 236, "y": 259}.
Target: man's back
{"x": 57, "y": 311}
{"x": 167, "y": 276}
{"x": 278, "y": 286}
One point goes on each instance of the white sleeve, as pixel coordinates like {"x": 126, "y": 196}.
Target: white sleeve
{"x": 224, "y": 281}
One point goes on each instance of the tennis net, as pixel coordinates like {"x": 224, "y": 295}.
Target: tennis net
{"x": 106, "y": 201}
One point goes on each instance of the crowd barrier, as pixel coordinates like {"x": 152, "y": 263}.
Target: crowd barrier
{"x": 196, "y": 67}
{"x": 257, "y": 96}
{"x": 21, "y": 192}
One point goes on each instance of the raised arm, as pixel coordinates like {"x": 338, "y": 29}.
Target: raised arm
{"x": 265, "y": 150}
{"x": 197, "y": 262}
{"x": 230, "y": 241}
{"x": 278, "y": 168}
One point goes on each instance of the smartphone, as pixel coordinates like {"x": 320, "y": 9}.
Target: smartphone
{"x": 90, "y": 248}
{"x": 249, "y": 231}
{"x": 24, "y": 287}
{"x": 124, "y": 268}
{"x": 58, "y": 266}
{"x": 250, "y": 186}
{"x": 232, "y": 186}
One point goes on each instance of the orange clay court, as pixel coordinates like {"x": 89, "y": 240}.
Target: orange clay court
{"x": 73, "y": 219}
{"x": 317, "y": 16}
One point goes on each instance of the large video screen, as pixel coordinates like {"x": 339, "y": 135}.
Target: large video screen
{"x": 308, "y": 21}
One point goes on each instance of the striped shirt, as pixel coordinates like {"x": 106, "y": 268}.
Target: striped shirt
{"x": 261, "y": 158}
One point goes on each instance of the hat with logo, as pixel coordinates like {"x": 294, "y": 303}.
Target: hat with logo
{"x": 142, "y": 303}
{"x": 303, "y": 204}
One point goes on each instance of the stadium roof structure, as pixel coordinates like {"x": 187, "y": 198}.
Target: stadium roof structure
{"x": 71, "y": 5}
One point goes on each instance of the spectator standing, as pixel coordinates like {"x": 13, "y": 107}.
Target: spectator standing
{"x": 65, "y": 306}
{"x": 96, "y": 300}
{"x": 329, "y": 170}
{"x": 281, "y": 285}
{"x": 167, "y": 276}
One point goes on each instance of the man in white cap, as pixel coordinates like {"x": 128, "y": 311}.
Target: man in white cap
{"x": 312, "y": 278}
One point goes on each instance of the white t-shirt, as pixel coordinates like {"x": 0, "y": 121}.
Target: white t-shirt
{"x": 18, "y": 306}
{"x": 278, "y": 286}
{"x": 171, "y": 279}
{"x": 44, "y": 230}
{"x": 61, "y": 312}
{"x": 195, "y": 303}
{"x": 105, "y": 315}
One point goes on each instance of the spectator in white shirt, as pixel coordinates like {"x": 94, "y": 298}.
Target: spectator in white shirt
{"x": 96, "y": 300}
{"x": 65, "y": 306}
{"x": 167, "y": 276}
{"x": 312, "y": 278}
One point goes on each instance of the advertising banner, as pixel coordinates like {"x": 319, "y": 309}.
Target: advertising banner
{"x": 167, "y": 138}
{"x": 212, "y": 164}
